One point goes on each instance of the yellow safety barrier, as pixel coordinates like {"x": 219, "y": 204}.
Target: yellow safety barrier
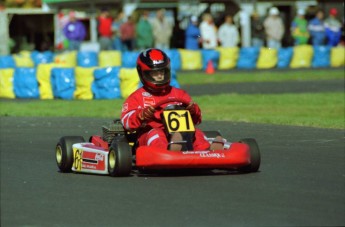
{"x": 190, "y": 59}
{"x": 6, "y": 83}
{"x": 83, "y": 78}
{"x": 228, "y": 57}
{"x": 129, "y": 81}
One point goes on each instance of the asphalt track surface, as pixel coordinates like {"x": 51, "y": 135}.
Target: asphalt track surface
{"x": 301, "y": 181}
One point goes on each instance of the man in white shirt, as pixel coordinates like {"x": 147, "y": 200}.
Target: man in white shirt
{"x": 208, "y": 32}
{"x": 228, "y": 34}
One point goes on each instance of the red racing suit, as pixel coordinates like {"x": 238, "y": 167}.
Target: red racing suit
{"x": 151, "y": 132}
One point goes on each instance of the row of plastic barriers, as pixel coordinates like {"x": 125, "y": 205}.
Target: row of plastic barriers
{"x": 303, "y": 56}
{"x": 51, "y": 81}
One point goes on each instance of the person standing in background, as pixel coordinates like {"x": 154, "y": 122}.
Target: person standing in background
{"x": 105, "y": 30}
{"x": 258, "y": 30}
{"x": 208, "y": 32}
{"x": 299, "y": 28}
{"x": 274, "y": 29}
{"x": 316, "y": 29}
{"x": 74, "y": 31}
{"x": 162, "y": 30}
{"x": 333, "y": 28}
{"x": 228, "y": 33}
{"x": 115, "y": 28}
{"x": 144, "y": 34}
{"x": 128, "y": 35}
{"x": 192, "y": 34}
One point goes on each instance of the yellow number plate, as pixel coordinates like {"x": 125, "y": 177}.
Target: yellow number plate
{"x": 178, "y": 121}
{"x": 78, "y": 159}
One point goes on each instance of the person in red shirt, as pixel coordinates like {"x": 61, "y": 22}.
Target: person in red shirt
{"x": 138, "y": 113}
{"x": 127, "y": 31}
{"x": 105, "y": 30}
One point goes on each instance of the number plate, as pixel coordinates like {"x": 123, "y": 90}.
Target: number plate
{"x": 178, "y": 121}
{"x": 78, "y": 159}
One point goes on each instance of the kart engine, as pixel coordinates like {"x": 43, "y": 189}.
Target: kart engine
{"x": 112, "y": 130}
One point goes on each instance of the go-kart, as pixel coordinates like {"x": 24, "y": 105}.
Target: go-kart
{"x": 116, "y": 152}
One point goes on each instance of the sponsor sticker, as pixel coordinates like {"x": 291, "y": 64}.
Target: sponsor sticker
{"x": 149, "y": 101}
{"x": 146, "y": 94}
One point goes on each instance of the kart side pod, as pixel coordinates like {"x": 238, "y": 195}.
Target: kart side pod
{"x": 238, "y": 155}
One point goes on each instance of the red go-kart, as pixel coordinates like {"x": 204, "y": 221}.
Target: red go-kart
{"x": 116, "y": 152}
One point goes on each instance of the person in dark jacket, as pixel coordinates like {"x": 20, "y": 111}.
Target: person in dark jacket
{"x": 192, "y": 34}
{"x": 74, "y": 31}
{"x": 258, "y": 30}
{"x": 316, "y": 29}
{"x": 333, "y": 28}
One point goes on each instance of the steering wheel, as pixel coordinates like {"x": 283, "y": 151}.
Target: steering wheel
{"x": 159, "y": 107}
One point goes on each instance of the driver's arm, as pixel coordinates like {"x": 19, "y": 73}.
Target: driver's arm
{"x": 132, "y": 116}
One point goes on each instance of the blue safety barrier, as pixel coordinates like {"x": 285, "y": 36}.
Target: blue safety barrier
{"x": 129, "y": 59}
{"x": 106, "y": 84}
{"x": 42, "y": 57}
{"x": 248, "y": 57}
{"x": 175, "y": 58}
{"x": 284, "y": 57}
{"x": 63, "y": 82}
{"x": 87, "y": 59}
{"x": 210, "y": 55}
{"x": 25, "y": 84}
{"x": 321, "y": 57}
{"x": 7, "y": 61}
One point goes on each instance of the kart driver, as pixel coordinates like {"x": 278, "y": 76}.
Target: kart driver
{"x": 139, "y": 114}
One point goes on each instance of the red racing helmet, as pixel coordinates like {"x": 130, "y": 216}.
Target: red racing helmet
{"x": 151, "y": 60}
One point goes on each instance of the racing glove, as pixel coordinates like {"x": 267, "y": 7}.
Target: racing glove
{"x": 192, "y": 108}
{"x": 146, "y": 113}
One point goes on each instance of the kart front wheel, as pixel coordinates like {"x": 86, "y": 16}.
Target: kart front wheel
{"x": 255, "y": 157}
{"x": 64, "y": 152}
{"x": 120, "y": 159}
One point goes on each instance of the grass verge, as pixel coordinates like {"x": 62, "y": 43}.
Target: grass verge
{"x": 238, "y": 76}
{"x": 324, "y": 110}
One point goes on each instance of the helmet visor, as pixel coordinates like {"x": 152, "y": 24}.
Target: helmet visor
{"x": 160, "y": 76}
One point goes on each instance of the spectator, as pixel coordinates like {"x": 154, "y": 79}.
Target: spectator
{"x": 333, "y": 28}
{"x": 105, "y": 30}
{"x": 274, "y": 29}
{"x": 258, "y": 30}
{"x": 299, "y": 28}
{"x": 115, "y": 28}
{"x": 228, "y": 33}
{"x": 162, "y": 30}
{"x": 316, "y": 29}
{"x": 208, "y": 32}
{"x": 144, "y": 32}
{"x": 74, "y": 31}
{"x": 127, "y": 31}
{"x": 192, "y": 34}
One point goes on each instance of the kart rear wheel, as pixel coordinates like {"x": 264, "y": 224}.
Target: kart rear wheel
{"x": 64, "y": 152}
{"x": 120, "y": 159}
{"x": 255, "y": 157}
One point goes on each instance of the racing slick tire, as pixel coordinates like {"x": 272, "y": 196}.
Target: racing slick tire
{"x": 64, "y": 152}
{"x": 120, "y": 159}
{"x": 255, "y": 157}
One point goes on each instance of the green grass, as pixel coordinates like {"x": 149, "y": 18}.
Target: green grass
{"x": 259, "y": 76}
{"x": 309, "y": 109}
{"x": 324, "y": 110}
